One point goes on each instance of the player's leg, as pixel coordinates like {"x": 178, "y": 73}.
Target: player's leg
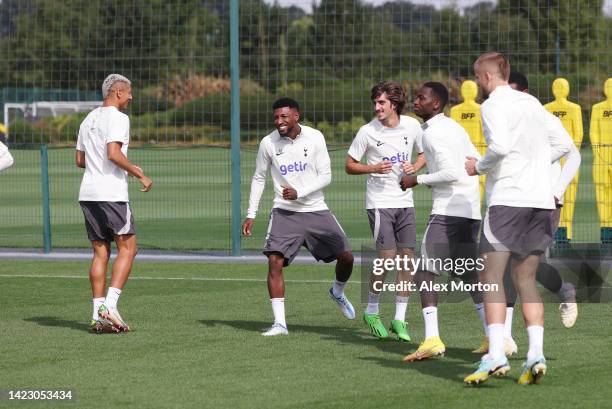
{"x": 122, "y": 266}
{"x": 276, "y": 290}
{"x": 405, "y": 239}
{"x": 97, "y": 278}
{"x": 433, "y": 248}
{"x": 371, "y": 316}
{"x": 283, "y": 241}
{"x": 326, "y": 240}
{"x": 523, "y": 274}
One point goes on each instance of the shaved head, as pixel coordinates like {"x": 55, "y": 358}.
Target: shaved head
{"x": 495, "y": 64}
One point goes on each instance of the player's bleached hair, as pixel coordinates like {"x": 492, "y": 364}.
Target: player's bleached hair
{"x": 110, "y": 81}
{"x": 395, "y": 93}
{"x": 497, "y": 60}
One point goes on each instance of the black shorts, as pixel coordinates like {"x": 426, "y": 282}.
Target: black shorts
{"x": 318, "y": 231}
{"x": 105, "y": 220}
{"x": 393, "y": 228}
{"x": 520, "y": 230}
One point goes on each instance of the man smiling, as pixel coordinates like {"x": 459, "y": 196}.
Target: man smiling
{"x": 297, "y": 155}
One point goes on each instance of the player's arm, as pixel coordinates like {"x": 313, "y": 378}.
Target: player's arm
{"x": 447, "y": 171}
{"x": 79, "y": 159}
{"x": 496, "y": 128}
{"x": 258, "y": 184}
{"x": 569, "y": 170}
{"x": 118, "y": 158}
{"x": 410, "y": 168}
{"x": 353, "y": 167}
{"x": 6, "y": 159}
{"x": 323, "y": 166}
{"x": 559, "y": 140}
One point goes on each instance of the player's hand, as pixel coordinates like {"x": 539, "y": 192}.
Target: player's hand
{"x": 470, "y": 166}
{"x": 383, "y": 167}
{"x": 147, "y": 183}
{"x": 408, "y": 168}
{"x": 289, "y": 193}
{"x": 247, "y": 226}
{"x": 408, "y": 181}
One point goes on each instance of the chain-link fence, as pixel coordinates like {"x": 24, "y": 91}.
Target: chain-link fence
{"x": 326, "y": 54}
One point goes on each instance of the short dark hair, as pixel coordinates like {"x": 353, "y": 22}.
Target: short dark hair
{"x": 395, "y": 92}
{"x": 286, "y": 102}
{"x": 439, "y": 91}
{"x": 519, "y": 79}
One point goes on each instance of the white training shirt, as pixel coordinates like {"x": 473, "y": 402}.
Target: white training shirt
{"x": 377, "y": 143}
{"x": 6, "y": 159}
{"x": 103, "y": 181}
{"x": 562, "y": 146}
{"x": 518, "y": 157}
{"x": 446, "y": 145}
{"x": 302, "y": 163}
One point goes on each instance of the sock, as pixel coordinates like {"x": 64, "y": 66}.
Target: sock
{"x": 278, "y": 309}
{"x": 481, "y": 313}
{"x": 373, "y": 303}
{"x": 401, "y": 304}
{"x": 496, "y": 341}
{"x": 508, "y": 323}
{"x": 430, "y": 315}
{"x": 567, "y": 292}
{"x": 338, "y": 288}
{"x": 536, "y": 342}
{"x": 112, "y": 297}
{"x": 97, "y": 302}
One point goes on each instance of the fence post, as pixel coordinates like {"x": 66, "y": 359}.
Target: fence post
{"x": 235, "y": 126}
{"x": 44, "y": 178}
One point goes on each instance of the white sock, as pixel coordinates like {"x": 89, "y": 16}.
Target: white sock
{"x": 373, "y": 303}
{"x": 97, "y": 302}
{"x": 481, "y": 313}
{"x": 401, "y": 304}
{"x": 508, "y": 323}
{"x": 278, "y": 309}
{"x": 338, "y": 288}
{"x": 430, "y": 315}
{"x": 112, "y": 297}
{"x": 496, "y": 341}
{"x": 536, "y": 342}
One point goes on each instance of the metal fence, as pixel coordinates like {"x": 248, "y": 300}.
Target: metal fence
{"x": 327, "y": 56}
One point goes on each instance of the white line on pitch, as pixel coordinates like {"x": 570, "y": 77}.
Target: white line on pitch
{"x": 258, "y": 280}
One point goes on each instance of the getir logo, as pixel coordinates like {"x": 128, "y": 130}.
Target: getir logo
{"x": 293, "y": 167}
{"x": 398, "y": 157}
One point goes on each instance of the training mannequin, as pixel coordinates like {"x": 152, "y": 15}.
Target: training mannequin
{"x": 468, "y": 115}
{"x": 570, "y": 115}
{"x": 601, "y": 141}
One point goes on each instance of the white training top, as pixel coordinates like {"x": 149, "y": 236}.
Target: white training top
{"x": 562, "y": 146}
{"x": 446, "y": 145}
{"x": 301, "y": 163}
{"x": 6, "y": 159}
{"x": 518, "y": 157}
{"x": 103, "y": 181}
{"x": 377, "y": 143}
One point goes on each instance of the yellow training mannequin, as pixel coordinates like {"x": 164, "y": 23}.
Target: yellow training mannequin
{"x": 570, "y": 115}
{"x": 601, "y": 141}
{"x": 468, "y": 115}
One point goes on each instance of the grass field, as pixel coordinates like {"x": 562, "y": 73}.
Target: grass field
{"x": 196, "y": 343}
{"x": 189, "y": 207}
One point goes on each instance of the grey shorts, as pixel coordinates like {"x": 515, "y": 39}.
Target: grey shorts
{"x": 318, "y": 231}
{"x": 105, "y": 220}
{"x": 450, "y": 238}
{"x": 393, "y": 228}
{"x": 521, "y": 230}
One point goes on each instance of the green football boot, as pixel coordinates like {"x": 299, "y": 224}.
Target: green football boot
{"x": 400, "y": 329}
{"x": 376, "y": 326}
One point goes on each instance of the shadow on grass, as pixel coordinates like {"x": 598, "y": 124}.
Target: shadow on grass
{"x": 457, "y": 363}
{"x": 57, "y": 322}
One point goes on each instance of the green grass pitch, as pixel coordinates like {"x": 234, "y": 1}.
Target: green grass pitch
{"x": 189, "y": 206}
{"x": 196, "y": 343}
